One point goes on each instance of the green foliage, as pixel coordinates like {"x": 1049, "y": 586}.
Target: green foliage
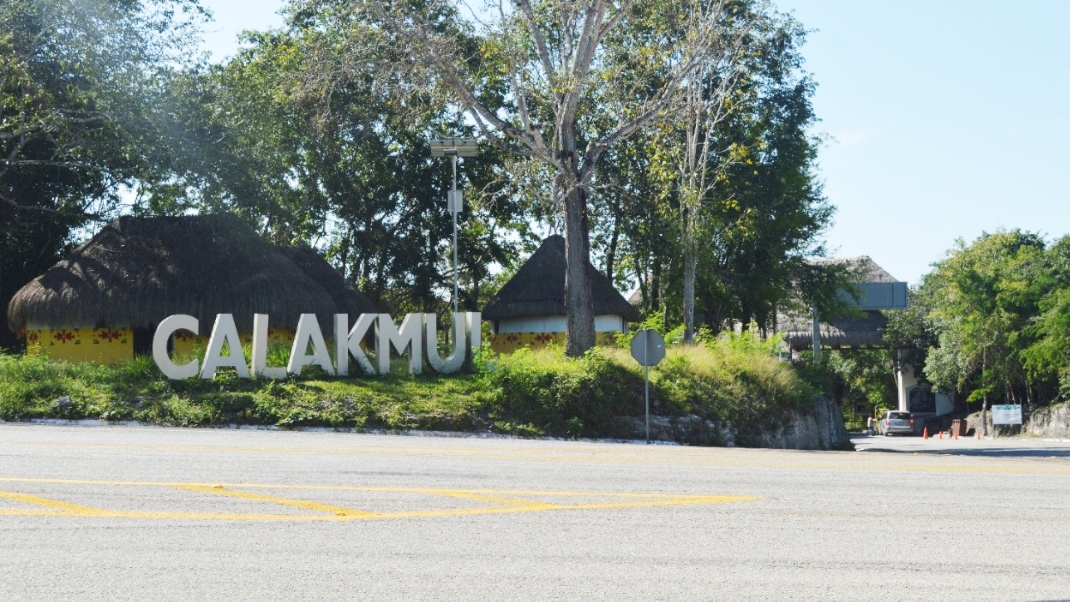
{"x": 762, "y": 209}
{"x": 555, "y": 394}
{"x": 992, "y": 321}
{"x": 734, "y": 378}
{"x": 863, "y": 377}
{"x": 82, "y": 112}
{"x": 341, "y": 163}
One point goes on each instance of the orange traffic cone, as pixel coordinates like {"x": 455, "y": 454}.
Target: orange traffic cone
{"x": 978, "y": 434}
{"x": 941, "y": 435}
{"x": 925, "y": 433}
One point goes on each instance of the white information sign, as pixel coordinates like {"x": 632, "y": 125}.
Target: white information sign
{"x": 1007, "y": 414}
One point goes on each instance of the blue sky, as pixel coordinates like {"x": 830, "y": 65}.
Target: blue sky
{"x": 946, "y": 118}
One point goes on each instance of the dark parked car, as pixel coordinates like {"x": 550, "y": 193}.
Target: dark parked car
{"x": 896, "y": 422}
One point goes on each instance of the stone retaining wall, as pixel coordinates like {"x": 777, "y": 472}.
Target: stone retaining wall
{"x": 821, "y": 428}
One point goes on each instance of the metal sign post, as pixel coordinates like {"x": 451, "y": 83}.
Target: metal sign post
{"x": 648, "y": 348}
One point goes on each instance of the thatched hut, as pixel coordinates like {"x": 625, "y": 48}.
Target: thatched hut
{"x": 104, "y": 300}
{"x": 878, "y": 291}
{"x": 529, "y": 310}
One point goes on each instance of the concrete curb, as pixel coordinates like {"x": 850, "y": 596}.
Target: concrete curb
{"x": 319, "y": 429}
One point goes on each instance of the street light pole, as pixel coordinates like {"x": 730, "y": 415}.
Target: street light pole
{"x": 453, "y": 148}
{"x": 454, "y": 209}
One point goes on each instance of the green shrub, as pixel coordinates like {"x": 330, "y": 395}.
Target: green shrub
{"x": 735, "y": 378}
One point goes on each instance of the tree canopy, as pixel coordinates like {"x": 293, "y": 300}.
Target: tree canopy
{"x": 991, "y": 321}
{"x": 318, "y": 133}
{"x": 82, "y": 91}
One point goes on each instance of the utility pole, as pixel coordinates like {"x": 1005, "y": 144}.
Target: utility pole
{"x": 453, "y": 148}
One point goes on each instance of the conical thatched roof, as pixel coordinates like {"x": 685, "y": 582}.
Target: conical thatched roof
{"x": 865, "y": 330}
{"x": 346, "y": 299}
{"x": 137, "y": 271}
{"x": 538, "y": 289}
{"x": 862, "y": 267}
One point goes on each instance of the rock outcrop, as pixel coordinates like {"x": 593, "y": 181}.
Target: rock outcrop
{"x": 689, "y": 430}
{"x": 1052, "y": 421}
{"x": 820, "y": 428}
{"x": 1048, "y": 422}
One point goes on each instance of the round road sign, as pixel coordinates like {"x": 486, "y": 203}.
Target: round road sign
{"x": 648, "y": 347}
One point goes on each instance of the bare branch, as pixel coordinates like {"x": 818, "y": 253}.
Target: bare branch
{"x": 540, "y": 41}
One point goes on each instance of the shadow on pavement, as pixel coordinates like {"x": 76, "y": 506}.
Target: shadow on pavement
{"x": 1019, "y": 448}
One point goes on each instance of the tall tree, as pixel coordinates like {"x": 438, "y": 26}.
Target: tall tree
{"x": 80, "y": 84}
{"x": 983, "y": 298}
{"x": 1047, "y": 356}
{"x": 753, "y": 207}
{"x": 339, "y": 164}
{"x": 703, "y": 157}
{"x": 551, "y": 59}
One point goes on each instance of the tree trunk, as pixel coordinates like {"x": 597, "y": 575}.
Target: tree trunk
{"x": 611, "y": 253}
{"x": 690, "y": 268}
{"x": 984, "y": 398}
{"x": 579, "y": 308}
{"x": 644, "y": 285}
{"x": 655, "y": 285}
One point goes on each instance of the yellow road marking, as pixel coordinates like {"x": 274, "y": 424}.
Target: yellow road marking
{"x": 56, "y": 505}
{"x": 335, "y": 510}
{"x": 427, "y": 490}
{"x": 509, "y": 504}
{"x": 467, "y": 495}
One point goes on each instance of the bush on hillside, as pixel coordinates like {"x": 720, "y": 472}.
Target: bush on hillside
{"x": 733, "y": 378}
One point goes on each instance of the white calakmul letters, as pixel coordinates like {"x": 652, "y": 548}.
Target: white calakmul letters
{"x": 224, "y": 332}
{"x": 417, "y": 335}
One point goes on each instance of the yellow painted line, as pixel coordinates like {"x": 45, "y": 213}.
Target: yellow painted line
{"x": 509, "y": 503}
{"x": 426, "y": 490}
{"x": 165, "y": 515}
{"x": 307, "y": 505}
{"x": 58, "y": 507}
{"x": 389, "y": 515}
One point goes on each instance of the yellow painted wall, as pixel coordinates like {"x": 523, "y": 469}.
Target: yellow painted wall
{"x": 188, "y": 345}
{"x": 508, "y": 342}
{"x": 100, "y": 345}
{"x": 116, "y": 345}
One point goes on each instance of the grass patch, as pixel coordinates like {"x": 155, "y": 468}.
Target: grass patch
{"x": 735, "y": 379}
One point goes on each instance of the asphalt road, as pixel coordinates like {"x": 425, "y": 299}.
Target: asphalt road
{"x": 128, "y": 513}
{"x": 991, "y": 447}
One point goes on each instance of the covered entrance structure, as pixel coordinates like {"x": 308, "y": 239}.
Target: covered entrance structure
{"x": 864, "y": 329}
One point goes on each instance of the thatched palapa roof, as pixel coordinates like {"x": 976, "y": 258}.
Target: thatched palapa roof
{"x": 137, "y": 271}
{"x": 865, "y": 329}
{"x": 538, "y": 289}
{"x": 346, "y": 298}
{"x": 864, "y": 268}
